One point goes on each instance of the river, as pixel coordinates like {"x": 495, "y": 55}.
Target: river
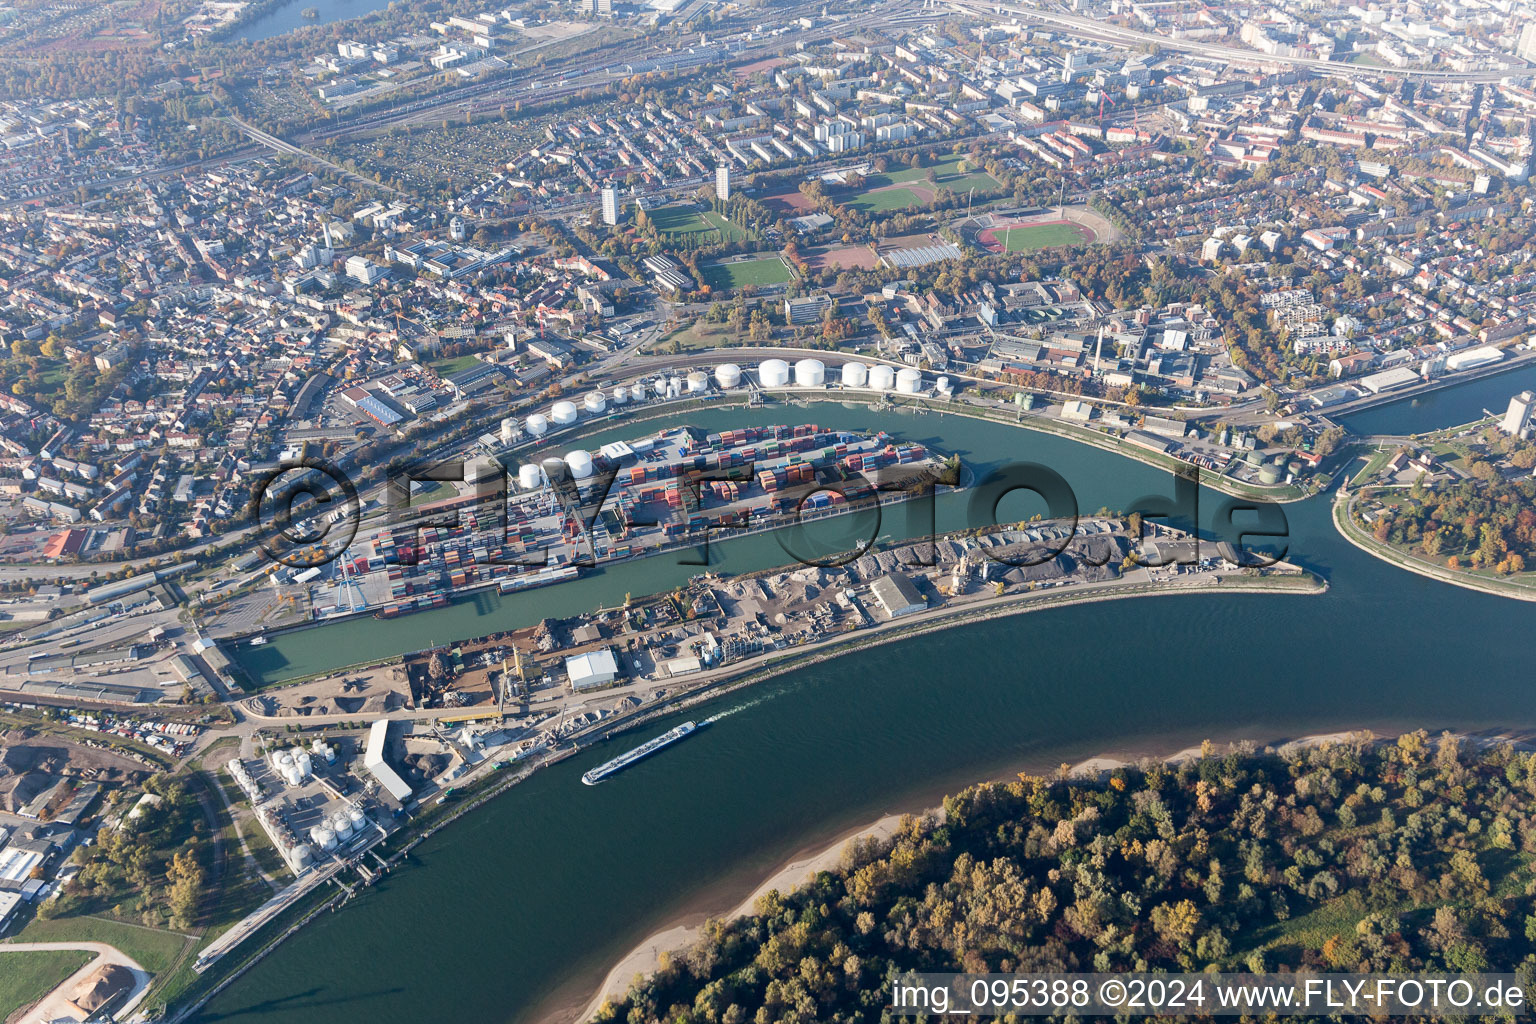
{"x": 1447, "y": 407}
{"x": 289, "y": 15}
{"x": 522, "y": 906}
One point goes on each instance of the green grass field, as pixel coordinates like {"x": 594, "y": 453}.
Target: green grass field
{"x": 769, "y": 270}
{"x": 154, "y": 948}
{"x": 446, "y": 366}
{"x": 695, "y": 227}
{"x": 947, "y": 174}
{"x": 27, "y": 977}
{"x": 1042, "y": 236}
{"x": 947, "y": 171}
{"x": 885, "y": 200}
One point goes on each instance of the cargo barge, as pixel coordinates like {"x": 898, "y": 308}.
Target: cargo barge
{"x": 641, "y": 752}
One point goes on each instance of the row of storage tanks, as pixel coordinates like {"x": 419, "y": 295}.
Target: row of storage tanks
{"x": 338, "y": 827}
{"x": 772, "y": 373}
{"x": 812, "y": 373}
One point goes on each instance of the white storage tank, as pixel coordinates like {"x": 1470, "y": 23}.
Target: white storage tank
{"x": 563, "y": 414}
{"x": 728, "y": 375}
{"x": 620, "y": 396}
{"x": 303, "y": 856}
{"x": 882, "y": 378}
{"x": 579, "y": 462}
{"x": 509, "y": 430}
{"x": 909, "y": 381}
{"x": 810, "y": 373}
{"x": 356, "y": 816}
{"x": 659, "y": 385}
{"x": 773, "y": 373}
{"x": 674, "y": 387}
{"x": 595, "y": 402}
{"x": 698, "y": 382}
{"x": 855, "y": 375}
{"x": 323, "y": 837}
{"x": 537, "y": 425}
{"x": 554, "y": 469}
{"x": 342, "y": 825}
{"x": 529, "y": 477}
{"x": 942, "y": 386}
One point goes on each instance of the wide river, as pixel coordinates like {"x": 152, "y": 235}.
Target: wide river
{"x": 522, "y": 906}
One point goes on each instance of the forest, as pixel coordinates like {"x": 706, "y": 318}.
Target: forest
{"x": 1351, "y": 855}
{"x": 1478, "y": 524}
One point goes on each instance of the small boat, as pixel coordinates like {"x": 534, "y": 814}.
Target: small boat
{"x": 258, "y": 641}
{"x": 310, "y": 13}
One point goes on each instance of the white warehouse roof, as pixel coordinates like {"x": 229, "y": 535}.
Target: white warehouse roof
{"x": 373, "y": 760}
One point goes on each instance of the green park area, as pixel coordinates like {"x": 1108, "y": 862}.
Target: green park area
{"x": 26, "y": 977}
{"x": 155, "y": 949}
{"x": 761, "y": 272}
{"x": 692, "y": 226}
{"x": 881, "y": 192}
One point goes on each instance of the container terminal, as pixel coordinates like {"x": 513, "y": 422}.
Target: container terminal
{"x": 550, "y": 518}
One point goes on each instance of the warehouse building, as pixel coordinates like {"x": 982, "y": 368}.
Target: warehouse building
{"x": 897, "y": 595}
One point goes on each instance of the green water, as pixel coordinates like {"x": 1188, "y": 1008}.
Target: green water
{"x": 526, "y": 903}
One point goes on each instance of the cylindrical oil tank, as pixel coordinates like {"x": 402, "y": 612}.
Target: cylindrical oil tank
{"x": 882, "y": 378}
{"x": 537, "y": 425}
{"x": 659, "y": 385}
{"x": 810, "y": 373}
{"x": 509, "y": 430}
{"x": 341, "y": 825}
{"x": 563, "y": 414}
{"x": 529, "y": 476}
{"x": 595, "y": 402}
{"x": 698, "y": 382}
{"x": 674, "y": 387}
{"x": 773, "y": 373}
{"x": 1269, "y": 473}
{"x": 620, "y": 395}
{"x": 941, "y": 385}
{"x": 855, "y": 375}
{"x": 325, "y": 838}
{"x": 303, "y": 856}
{"x": 579, "y": 462}
{"x": 357, "y": 817}
{"x": 728, "y": 375}
{"x": 909, "y": 381}
{"x": 554, "y": 469}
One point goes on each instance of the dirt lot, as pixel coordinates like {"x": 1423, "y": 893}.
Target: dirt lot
{"x": 790, "y": 203}
{"x": 841, "y": 257}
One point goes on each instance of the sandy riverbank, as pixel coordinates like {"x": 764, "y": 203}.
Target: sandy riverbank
{"x": 679, "y": 935}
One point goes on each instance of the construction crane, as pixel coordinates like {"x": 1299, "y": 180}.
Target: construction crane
{"x": 1103, "y": 98}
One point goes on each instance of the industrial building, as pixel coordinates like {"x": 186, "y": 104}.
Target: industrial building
{"x": 897, "y": 595}
{"x": 592, "y": 670}
{"x": 373, "y": 759}
{"x": 1520, "y": 418}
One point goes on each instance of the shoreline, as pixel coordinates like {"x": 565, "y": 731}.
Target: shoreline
{"x": 1344, "y": 503}
{"x": 991, "y": 608}
{"x": 681, "y": 932}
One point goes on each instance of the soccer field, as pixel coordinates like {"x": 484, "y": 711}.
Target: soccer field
{"x": 885, "y": 199}
{"x": 769, "y": 270}
{"x": 1045, "y": 235}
